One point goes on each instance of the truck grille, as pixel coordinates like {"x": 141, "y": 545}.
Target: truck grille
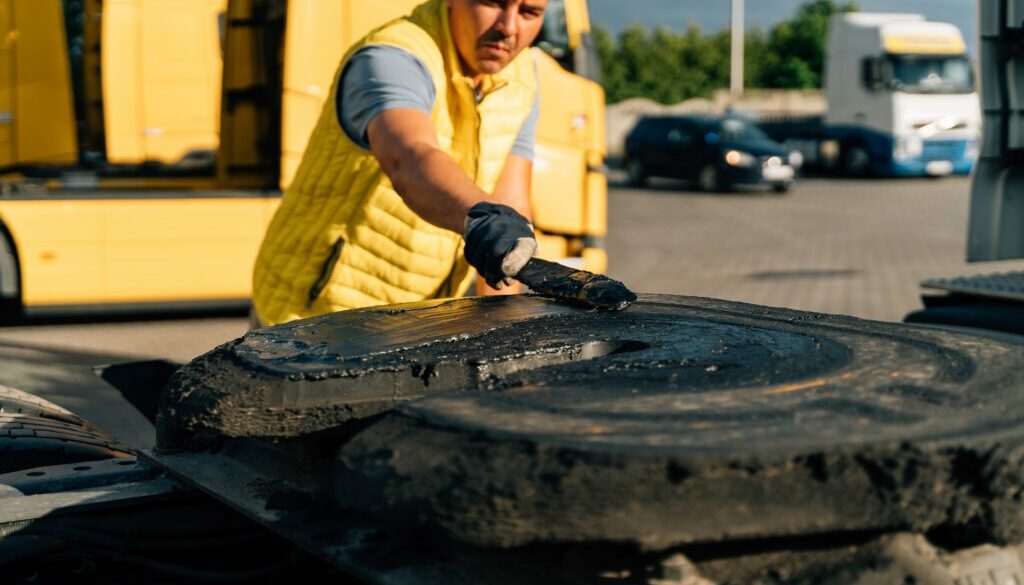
{"x": 942, "y": 150}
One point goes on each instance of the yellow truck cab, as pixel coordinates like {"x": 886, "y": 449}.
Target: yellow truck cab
{"x": 144, "y": 144}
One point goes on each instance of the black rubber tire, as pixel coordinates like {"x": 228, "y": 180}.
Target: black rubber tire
{"x": 709, "y": 179}
{"x": 636, "y": 173}
{"x": 706, "y": 420}
{"x": 10, "y": 307}
{"x": 782, "y": 189}
{"x": 505, "y": 421}
{"x": 35, "y": 432}
{"x": 856, "y": 161}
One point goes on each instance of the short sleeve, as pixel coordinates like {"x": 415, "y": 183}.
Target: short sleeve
{"x": 379, "y": 78}
{"x": 526, "y": 141}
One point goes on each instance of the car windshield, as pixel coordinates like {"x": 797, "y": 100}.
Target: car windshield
{"x": 928, "y": 74}
{"x": 733, "y": 129}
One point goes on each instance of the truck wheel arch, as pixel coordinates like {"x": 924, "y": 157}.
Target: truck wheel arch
{"x": 10, "y": 274}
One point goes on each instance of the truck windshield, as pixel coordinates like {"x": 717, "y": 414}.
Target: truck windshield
{"x": 733, "y": 129}
{"x": 554, "y": 40}
{"x": 554, "y": 35}
{"x": 930, "y": 74}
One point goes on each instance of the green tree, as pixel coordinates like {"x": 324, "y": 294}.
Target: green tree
{"x": 670, "y": 67}
{"x": 795, "y": 55}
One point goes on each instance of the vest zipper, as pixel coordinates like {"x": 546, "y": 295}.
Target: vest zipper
{"x": 326, "y": 271}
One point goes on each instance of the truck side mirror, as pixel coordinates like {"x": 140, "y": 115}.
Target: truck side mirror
{"x": 871, "y": 74}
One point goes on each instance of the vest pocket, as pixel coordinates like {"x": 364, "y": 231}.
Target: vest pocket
{"x": 326, "y": 270}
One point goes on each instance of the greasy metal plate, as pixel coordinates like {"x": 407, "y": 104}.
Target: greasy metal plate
{"x": 1005, "y": 285}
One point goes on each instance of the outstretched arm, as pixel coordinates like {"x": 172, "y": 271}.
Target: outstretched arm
{"x": 498, "y": 240}
{"x": 430, "y": 182}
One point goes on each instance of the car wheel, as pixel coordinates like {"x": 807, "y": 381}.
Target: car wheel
{"x": 637, "y": 172}
{"x": 708, "y": 179}
{"x": 781, "y": 188}
{"x": 856, "y": 161}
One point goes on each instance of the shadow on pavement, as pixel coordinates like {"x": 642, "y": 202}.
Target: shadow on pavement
{"x": 118, "y": 315}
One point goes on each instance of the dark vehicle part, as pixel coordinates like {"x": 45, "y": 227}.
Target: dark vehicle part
{"x": 856, "y": 160}
{"x": 122, "y": 521}
{"x": 993, "y": 302}
{"x": 636, "y": 172}
{"x": 707, "y": 179}
{"x": 10, "y": 277}
{"x": 715, "y": 153}
{"x": 35, "y": 432}
{"x": 996, "y": 215}
{"x": 514, "y": 439}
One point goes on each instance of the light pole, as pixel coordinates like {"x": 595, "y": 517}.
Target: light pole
{"x": 736, "y": 61}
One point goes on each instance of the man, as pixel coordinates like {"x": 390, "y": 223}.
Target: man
{"x": 420, "y": 162}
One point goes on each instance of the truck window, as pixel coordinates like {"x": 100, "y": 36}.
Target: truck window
{"x": 554, "y": 35}
{"x": 682, "y": 132}
{"x": 930, "y": 74}
{"x": 554, "y": 39}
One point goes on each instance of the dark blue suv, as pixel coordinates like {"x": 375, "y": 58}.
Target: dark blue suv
{"x": 717, "y": 153}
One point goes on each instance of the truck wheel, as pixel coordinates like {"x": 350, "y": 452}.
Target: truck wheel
{"x": 706, "y": 420}
{"x": 10, "y": 306}
{"x": 35, "y": 432}
{"x": 709, "y": 179}
{"x": 856, "y": 161}
{"x": 637, "y": 172}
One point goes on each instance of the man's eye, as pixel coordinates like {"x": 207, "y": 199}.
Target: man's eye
{"x": 531, "y": 13}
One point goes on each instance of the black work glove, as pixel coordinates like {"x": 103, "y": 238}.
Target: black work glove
{"x": 499, "y": 242}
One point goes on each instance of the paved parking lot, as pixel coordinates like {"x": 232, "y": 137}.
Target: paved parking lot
{"x": 838, "y": 246}
{"x": 853, "y": 247}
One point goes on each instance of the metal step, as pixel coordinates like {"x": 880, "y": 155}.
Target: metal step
{"x": 1002, "y": 285}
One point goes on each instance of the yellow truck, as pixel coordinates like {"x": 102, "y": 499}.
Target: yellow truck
{"x": 144, "y": 144}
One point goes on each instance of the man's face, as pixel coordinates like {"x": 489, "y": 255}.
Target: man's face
{"x": 490, "y": 33}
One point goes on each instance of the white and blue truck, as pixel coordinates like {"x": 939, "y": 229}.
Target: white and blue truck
{"x": 901, "y": 96}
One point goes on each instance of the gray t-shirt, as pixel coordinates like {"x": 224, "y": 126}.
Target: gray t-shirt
{"x": 382, "y": 77}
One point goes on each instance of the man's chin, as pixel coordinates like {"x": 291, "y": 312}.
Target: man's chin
{"x": 491, "y": 66}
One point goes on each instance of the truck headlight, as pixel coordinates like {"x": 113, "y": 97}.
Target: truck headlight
{"x": 738, "y": 158}
{"x": 908, "y": 147}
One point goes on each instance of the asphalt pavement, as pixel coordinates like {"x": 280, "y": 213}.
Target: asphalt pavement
{"x": 856, "y": 247}
{"x": 853, "y": 247}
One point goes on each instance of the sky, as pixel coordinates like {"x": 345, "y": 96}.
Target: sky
{"x": 714, "y": 15}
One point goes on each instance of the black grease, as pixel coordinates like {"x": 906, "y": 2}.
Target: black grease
{"x": 593, "y": 291}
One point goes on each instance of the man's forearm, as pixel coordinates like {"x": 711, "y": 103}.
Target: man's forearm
{"x": 435, "y": 187}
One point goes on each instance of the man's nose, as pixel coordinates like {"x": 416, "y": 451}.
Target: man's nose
{"x": 508, "y": 21}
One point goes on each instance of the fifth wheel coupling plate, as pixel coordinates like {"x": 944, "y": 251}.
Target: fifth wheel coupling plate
{"x": 686, "y": 420}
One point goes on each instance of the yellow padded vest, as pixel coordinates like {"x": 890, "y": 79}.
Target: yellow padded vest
{"x": 342, "y": 237}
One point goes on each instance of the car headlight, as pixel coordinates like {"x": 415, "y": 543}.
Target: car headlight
{"x": 796, "y": 160}
{"x": 738, "y": 158}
